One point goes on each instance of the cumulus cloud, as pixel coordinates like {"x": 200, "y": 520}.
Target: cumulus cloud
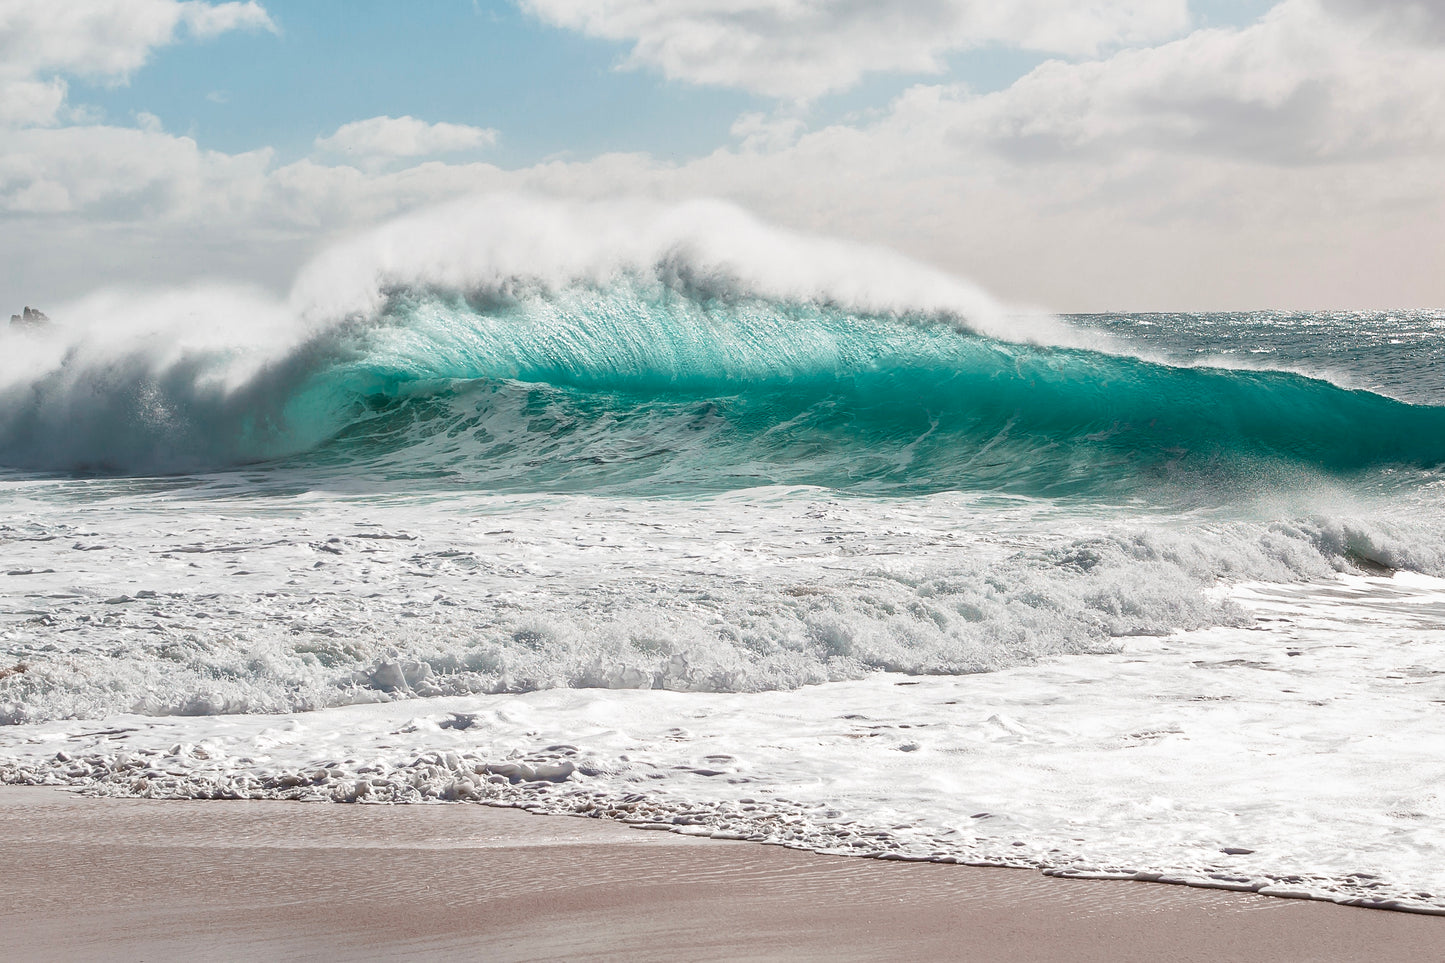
{"x": 105, "y": 39}
{"x": 1298, "y": 87}
{"x": 1421, "y": 20}
{"x": 390, "y": 137}
{"x": 210, "y": 20}
{"x": 24, "y": 101}
{"x": 119, "y": 173}
{"x": 800, "y": 49}
{"x": 1290, "y": 163}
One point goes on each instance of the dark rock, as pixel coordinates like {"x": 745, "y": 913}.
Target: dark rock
{"x": 30, "y": 318}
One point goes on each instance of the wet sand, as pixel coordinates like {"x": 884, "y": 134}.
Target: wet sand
{"x": 148, "y": 880}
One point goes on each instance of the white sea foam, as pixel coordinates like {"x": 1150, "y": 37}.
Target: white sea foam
{"x": 1284, "y": 759}
{"x": 159, "y": 598}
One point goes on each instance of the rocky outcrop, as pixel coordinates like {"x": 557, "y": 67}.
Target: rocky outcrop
{"x": 30, "y": 318}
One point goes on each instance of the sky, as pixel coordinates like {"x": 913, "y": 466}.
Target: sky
{"x": 1074, "y": 155}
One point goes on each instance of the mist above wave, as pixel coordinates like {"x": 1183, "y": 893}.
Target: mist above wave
{"x": 516, "y": 344}
{"x": 205, "y": 376}
{"x": 509, "y": 246}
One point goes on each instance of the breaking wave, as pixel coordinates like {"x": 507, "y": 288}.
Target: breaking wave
{"x": 528, "y": 345}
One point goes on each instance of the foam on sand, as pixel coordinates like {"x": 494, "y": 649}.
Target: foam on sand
{"x": 1201, "y": 759}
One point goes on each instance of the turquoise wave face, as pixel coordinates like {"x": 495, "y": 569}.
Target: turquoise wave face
{"x": 650, "y": 389}
{"x": 645, "y": 387}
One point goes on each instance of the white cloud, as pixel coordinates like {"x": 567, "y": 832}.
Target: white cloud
{"x": 103, "y": 39}
{"x": 1421, "y": 20}
{"x": 1298, "y": 87}
{"x": 1291, "y": 163}
{"x": 210, "y": 20}
{"x": 24, "y": 101}
{"x": 757, "y": 131}
{"x": 126, "y": 174}
{"x": 387, "y": 137}
{"x": 108, "y": 38}
{"x": 800, "y": 49}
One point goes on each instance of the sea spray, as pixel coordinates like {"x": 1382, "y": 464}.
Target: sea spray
{"x": 515, "y": 344}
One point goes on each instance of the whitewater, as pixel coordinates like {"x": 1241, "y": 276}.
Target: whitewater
{"x": 663, "y": 514}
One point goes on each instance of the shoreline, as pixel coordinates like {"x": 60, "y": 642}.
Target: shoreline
{"x": 98, "y": 878}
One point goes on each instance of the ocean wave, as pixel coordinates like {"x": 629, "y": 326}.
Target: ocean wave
{"x": 646, "y": 390}
{"x": 532, "y": 346}
{"x": 795, "y": 592}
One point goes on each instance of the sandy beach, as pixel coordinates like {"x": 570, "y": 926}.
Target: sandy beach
{"x": 92, "y": 878}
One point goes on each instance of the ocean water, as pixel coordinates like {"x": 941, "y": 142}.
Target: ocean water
{"x": 661, "y": 514}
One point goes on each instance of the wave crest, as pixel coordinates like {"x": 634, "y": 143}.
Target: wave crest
{"x": 514, "y": 344}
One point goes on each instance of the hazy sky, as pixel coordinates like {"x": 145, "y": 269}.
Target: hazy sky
{"x": 1071, "y": 154}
